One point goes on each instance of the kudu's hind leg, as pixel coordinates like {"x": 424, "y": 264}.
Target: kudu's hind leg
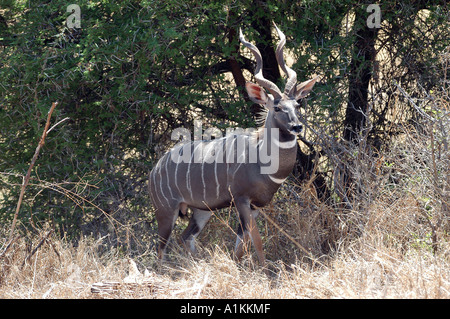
{"x": 198, "y": 221}
{"x": 248, "y": 229}
{"x": 166, "y": 223}
{"x": 241, "y": 240}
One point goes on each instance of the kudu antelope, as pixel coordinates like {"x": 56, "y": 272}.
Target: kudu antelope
{"x": 213, "y": 179}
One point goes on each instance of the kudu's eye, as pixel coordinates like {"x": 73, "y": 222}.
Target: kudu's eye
{"x": 276, "y": 109}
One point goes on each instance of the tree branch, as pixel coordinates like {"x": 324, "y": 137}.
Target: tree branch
{"x": 27, "y": 177}
{"x": 216, "y": 69}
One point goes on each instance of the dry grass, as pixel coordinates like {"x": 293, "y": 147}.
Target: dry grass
{"x": 369, "y": 268}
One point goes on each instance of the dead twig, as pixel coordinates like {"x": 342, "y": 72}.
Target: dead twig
{"x": 37, "y": 247}
{"x": 27, "y": 177}
{"x": 8, "y": 246}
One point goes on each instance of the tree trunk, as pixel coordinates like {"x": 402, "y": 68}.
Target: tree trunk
{"x": 263, "y": 25}
{"x": 234, "y": 64}
{"x": 360, "y": 74}
{"x": 356, "y": 114}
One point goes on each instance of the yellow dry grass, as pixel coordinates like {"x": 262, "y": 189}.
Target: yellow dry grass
{"x": 366, "y": 269}
{"x": 389, "y": 258}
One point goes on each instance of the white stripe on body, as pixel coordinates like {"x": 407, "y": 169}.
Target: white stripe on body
{"x": 188, "y": 175}
{"x": 150, "y": 185}
{"x": 217, "y": 180}
{"x": 154, "y": 171}
{"x": 154, "y": 183}
{"x": 176, "y": 182}
{"x": 160, "y": 185}
{"x": 167, "y": 175}
{"x": 203, "y": 179}
{"x": 239, "y": 161}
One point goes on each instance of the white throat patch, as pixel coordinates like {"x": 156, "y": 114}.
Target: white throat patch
{"x": 285, "y": 145}
{"x": 277, "y": 180}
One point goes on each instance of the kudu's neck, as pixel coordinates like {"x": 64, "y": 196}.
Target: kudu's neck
{"x": 286, "y": 143}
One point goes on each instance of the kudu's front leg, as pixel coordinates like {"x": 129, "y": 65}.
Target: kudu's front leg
{"x": 248, "y": 229}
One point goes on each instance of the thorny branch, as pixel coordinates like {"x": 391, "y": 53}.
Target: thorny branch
{"x": 33, "y": 160}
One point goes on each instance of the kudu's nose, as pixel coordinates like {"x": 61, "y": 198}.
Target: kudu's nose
{"x": 297, "y": 128}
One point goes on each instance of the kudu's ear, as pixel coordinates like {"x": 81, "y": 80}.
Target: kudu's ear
{"x": 303, "y": 89}
{"x": 256, "y": 93}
